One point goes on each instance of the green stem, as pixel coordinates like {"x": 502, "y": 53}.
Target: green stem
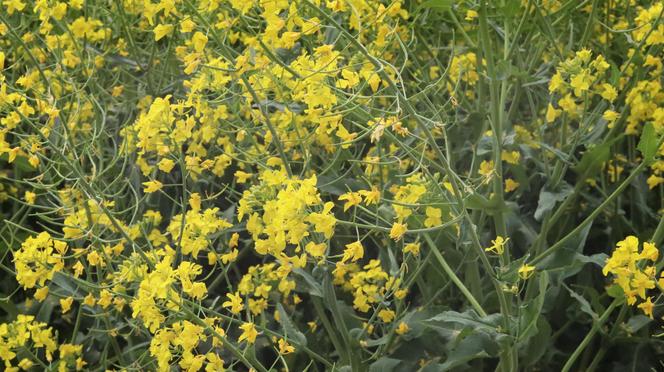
{"x": 455, "y": 279}
{"x": 586, "y": 340}
{"x": 560, "y": 243}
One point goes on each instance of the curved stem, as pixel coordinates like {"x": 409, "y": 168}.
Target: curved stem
{"x": 586, "y": 340}
{"x": 455, "y": 279}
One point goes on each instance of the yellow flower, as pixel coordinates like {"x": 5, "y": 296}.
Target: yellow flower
{"x": 66, "y": 304}
{"x": 152, "y": 186}
{"x": 498, "y": 245}
{"x": 471, "y": 15}
{"x": 526, "y": 271}
{"x": 371, "y": 196}
{"x": 187, "y": 25}
{"x": 285, "y": 347}
{"x": 557, "y": 83}
{"x": 351, "y": 198}
{"x": 511, "y": 157}
{"x": 162, "y": 30}
{"x": 654, "y": 181}
{"x": 249, "y": 333}
{"x": 30, "y": 197}
{"x": 105, "y": 298}
{"x": 354, "y": 251}
{"x": 199, "y": 40}
{"x": 235, "y": 303}
{"x": 89, "y": 300}
{"x": 486, "y": 168}
{"x": 433, "y": 217}
{"x": 166, "y": 165}
{"x": 242, "y": 177}
{"x": 649, "y": 252}
{"x": 412, "y": 248}
{"x": 402, "y": 329}
{"x": 117, "y": 91}
{"x": 386, "y": 315}
{"x": 315, "y": 250}
{"x": 398, "y": 230}
{"x": 647, "y": 307}
{"x": 610, "y": 116}
{"x": 41, "y": 293}
{"x": 609, "y": 93}
{"x": 511, "y": 185}
{"x": 551, "y": 113}
{"x": 346, "y": 136}
{"x": 25, "y": 364}
{"x": 13, "y": 5}
{"x": 581, "y": 82}
{"x": 568, "y": 104}
{"x": 631, "y": 273}
{"x": 195, "y": 202}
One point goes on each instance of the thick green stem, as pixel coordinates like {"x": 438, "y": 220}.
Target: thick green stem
{"x": 586, "y": 340}
{"x": 454, "y": 278}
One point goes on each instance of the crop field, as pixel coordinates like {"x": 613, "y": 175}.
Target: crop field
{"x": 331, "y": 185}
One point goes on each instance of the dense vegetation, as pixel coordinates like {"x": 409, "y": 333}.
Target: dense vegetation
{"x": 344, "y": 185}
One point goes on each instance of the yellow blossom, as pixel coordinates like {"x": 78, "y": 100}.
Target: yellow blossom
{"x": 166, "y": 165}
{"x": 402, "y": 329}
{"x": 199, "y": 40}
{"x": 526, "y": 271}
{"x": 498, "y": 245}
{"x": 315, "y": 250}
{"x": 30, "y": 197}
{"x": 354, "y": 251}
{"x": 412, "y": 248}
{"x": 386, "y": 315}
{"x": 433, "y": 217}
{"x": 510, "y": 185}
{"x": 471, "y": 15}
{"x": 66, "y": 304}
{"x": 249, "y": 333}
{"x": 152, "y": 186}
{"x": 41, "y": 293}
{"x": 351, "y": 198}
{"x": 647, "y": 307}
{"x": 284, "y": 347}
{"x": 398, "y": 230}
{"x": 234, "y": 303}
{"x": 551, "y": 113}
{"x": 162, "y": 30}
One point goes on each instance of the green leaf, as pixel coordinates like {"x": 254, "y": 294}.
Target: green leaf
{"x": 8, "y": 306}
{"x": 313, "y": 287}
{"x": 637, "y": 322}
{"x": 533, "y": 310}
{"x": 592, "y": 160}
{"x": 289, "y": 329}
{"x": 548, "y": 198}
{"x": 585, "y": 305}
{"x": 490, "y": 206}
{"x": 384, "y": 365}
{"x": 615, "y": 291}
{"x": 537, "y": 345}
{"x": 474, "y": 346}
{"x": 568, "y": 260}
{"x": 648, "y": 143}
{"x": 442, "y": 5}
{"x": 469, "y": 319}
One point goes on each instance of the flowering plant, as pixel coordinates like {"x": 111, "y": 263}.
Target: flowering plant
{"x": 331, "y": 185}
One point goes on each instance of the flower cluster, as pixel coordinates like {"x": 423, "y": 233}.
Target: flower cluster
{"x": 281, "y": 213}
{"x": 634, "y": 271}
{"x": 25, "y": 333}
{"x": 39, "y": 258}
{"x": 298, "y": 184}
